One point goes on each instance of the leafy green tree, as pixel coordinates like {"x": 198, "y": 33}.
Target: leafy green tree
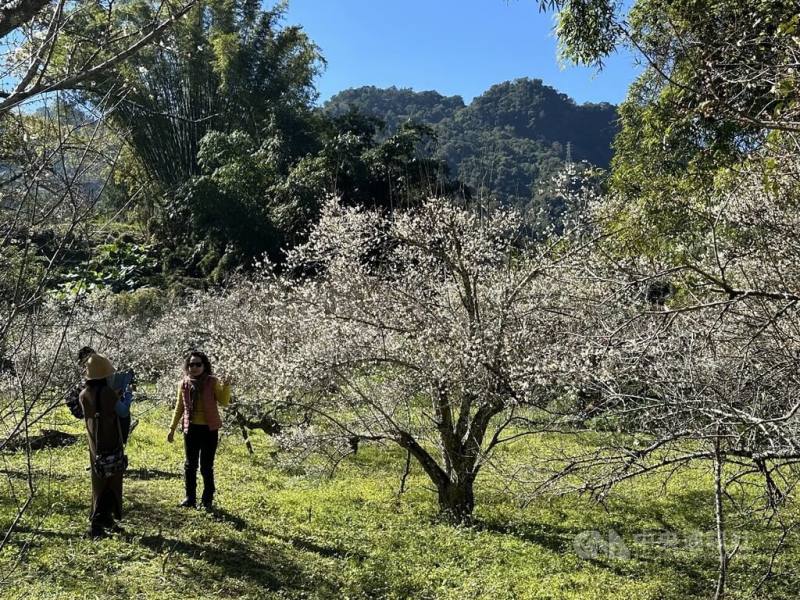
{"x": 719, "y": 89}
{"x": 228, "y": 66}
{"x": 249, "y": 199}
{"x": 226, "y": 203}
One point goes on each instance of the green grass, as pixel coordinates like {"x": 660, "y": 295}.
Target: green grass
{"x": 278, "y": 535}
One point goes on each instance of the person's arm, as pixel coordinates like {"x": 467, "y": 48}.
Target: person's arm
{"x": 176, "y": 415}
{"x": 82, "y": 403}
{"x": 222, "y": 392}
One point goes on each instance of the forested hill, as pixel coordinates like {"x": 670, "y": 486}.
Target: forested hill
{"x": 507, "y": 142}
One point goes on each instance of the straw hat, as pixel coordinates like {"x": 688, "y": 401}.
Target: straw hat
{"x": 98, "y": 367}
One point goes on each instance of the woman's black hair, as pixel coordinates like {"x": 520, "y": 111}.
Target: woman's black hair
{"x": 202, "y": 356}
{"x": 84, "y": 353}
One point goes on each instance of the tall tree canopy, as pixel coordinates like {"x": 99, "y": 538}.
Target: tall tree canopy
{"x": 248, "y": 200}
{"x": 55, "y": 46}
{"x": 228, "y": 66}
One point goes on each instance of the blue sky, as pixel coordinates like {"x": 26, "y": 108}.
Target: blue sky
{"x": 452, "y": 46}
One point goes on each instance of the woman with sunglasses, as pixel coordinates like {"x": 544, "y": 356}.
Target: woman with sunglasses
{"x": 200, "y": 395}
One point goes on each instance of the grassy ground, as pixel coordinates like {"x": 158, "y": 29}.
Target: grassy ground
{"x": 281, "y": 536}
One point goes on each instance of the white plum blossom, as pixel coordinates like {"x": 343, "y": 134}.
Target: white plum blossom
{"x": 434, "y": 329}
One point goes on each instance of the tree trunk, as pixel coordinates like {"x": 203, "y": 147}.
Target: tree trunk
{"x": 457, "y": 501}
{"x": 722, "y": 573}
{"x": 455, "y": 487}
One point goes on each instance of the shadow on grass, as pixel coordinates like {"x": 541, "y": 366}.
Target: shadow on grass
{"x": 557, "y": 540}
{"x": 71, "y": 534}
{"x": 47, "y": 438}
{"x": 686, "y": 511}
{"x": 680, "y": 515}
{"x": 21, "y": 474}
{"x": 614, "y": 549}
{"x": 239, "y": 524}
{"x": 267, "y": 567}
{"x": 148, "y": 474}
{"x": 250, "y": 557}
{"x": 224, "y": 516}
{"x": 690, "y": 509}
{"x": 324, "y": 551}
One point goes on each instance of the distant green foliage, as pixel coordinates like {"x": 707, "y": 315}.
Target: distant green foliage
{"x": 226, "y": 202}
{"x": 144, "y": 303}
{"x": 507, "y": 143}
{"x": 249, "y": 200}
{"x": 256, "y": 192}
{"x": 24, "y": 273}
{"x": 119, "y": 265}
{"x": 395, "y": 106}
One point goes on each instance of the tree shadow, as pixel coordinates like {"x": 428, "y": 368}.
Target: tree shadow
{"x": 267, "y": 567}
{"x": 49, "y": 533}
{"x": 239, "y": 524}
{"x": 270, "y": 565}
{"x": 48, "y": 438}
{"x": 684, "y": 509}
{"x": 630, "y": 520}
{"x": 324, "y": 551}
{"x": 614, "y": 549}
{"x": 23, "y": 475}
{"x": 557, "y": 540}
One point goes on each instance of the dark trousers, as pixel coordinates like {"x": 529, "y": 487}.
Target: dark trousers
{"x": 201, "y": 447}
{"x": 106, "y": 501}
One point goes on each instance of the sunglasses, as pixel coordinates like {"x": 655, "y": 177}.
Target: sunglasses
{"x": 195, "y": 364}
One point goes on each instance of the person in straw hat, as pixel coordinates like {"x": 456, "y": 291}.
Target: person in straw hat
{"x": 98, "y": 401}
{"x": 122, "y": 383}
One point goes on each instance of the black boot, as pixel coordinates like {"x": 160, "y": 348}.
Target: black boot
{"x": 208, "y": 488}
{"x": 190, "y": 481}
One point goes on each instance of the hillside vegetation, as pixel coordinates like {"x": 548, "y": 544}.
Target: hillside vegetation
{"x": 507, "y": 143}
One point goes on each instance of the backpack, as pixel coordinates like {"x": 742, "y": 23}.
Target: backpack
{"x": 72, "y": 401}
